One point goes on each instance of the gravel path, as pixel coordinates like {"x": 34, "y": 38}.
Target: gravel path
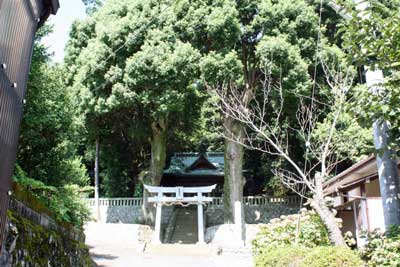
{"x": 113, "y": 245}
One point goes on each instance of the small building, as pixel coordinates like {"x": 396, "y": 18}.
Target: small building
{"x": 357, "y": 197}
{"x": 195, "y": 169}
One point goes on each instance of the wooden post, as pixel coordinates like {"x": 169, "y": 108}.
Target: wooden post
{"x": 157, "y": 230}
{"x": 200, "y": 219}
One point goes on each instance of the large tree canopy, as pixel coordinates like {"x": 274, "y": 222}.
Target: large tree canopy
{"x": 127, "y": 58}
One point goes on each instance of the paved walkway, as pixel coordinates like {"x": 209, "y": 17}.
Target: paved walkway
{"x": 112, "y": 245}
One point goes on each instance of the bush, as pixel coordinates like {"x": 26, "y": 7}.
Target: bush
{"x": 63, "y": 203}
{"x": 382, "y": 249}
{"x": 298, "y": 256}
{"x": 328, "y": 256}
{"x": 281, "y": 256}
{"x": 283, "y": 231}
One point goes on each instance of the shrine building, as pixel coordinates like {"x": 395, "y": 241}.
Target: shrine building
{"x": 195, "y": 169}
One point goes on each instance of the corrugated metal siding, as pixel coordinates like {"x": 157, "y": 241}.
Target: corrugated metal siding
{"x": 18, "y": 24}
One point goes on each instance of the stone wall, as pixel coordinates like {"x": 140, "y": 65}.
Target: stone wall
{"x": 119, "y": 214}
{"x": 30, "y": 244}
{"x": 253, "y": 213}
{"x": 128, "y": 214}
{"x": 259, "y": 209}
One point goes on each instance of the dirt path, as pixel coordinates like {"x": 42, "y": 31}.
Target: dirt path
{"x": 113, "y": 245}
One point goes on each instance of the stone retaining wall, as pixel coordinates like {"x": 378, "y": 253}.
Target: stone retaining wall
{"x": 260, "y": 209}
{"x": 34, "y": 239}
{"x": 128, "y": 214}
{"x": 253, "y": 213}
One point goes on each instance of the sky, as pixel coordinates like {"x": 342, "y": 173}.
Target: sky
{"x": 69, "y": 11}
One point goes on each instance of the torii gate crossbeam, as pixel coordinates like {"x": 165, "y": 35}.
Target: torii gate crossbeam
{"x": 179, "y": 198}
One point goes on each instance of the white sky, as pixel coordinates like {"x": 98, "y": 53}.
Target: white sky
{"x": 69, "y": 11}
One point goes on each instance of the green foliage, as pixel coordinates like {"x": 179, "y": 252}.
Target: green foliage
{"x": 132, "y": 63}
{"x": 370, "y": 107}
{"x": 283, "y": 231}
{"x": 331, "y": 257}
{"x": 152, "y": 71}
{"x": 128, "y": 70}
{"x": 382, "y": 249}
{"x": 48, "y": 165}
{"x": 281, "y": 256}
{"x": 48, "y": 135}
{"x": 64, "y": 203}
{"x": 92, "y": 5}
{"x": 374, "y": 41}
{"x": 347, "y": 131}
{"x": 299, "y": 256}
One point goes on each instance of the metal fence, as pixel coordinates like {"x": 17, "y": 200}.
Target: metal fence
{"x": 19, "y": 20}
{"x": 250, "y": 200}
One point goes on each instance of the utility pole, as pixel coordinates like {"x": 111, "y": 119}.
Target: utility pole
{"x": 96, "y": 180}
{"x": 385, "y": 158}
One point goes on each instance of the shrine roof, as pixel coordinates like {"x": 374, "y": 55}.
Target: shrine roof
{"x": 211, "y": 163}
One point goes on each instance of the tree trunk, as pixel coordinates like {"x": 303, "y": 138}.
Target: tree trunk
{"x": 319, "y": 204}
{"x": 157, "y": 164}
{"x": 158, "y": 151}
{"x": 234, "y": 180}
{"x": 329, "y": 220}
{"x": 96, "y": 179}
{"x": 388, "y": 175}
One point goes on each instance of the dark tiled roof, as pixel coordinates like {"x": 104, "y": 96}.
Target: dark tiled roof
{"x": 181, "y": 163}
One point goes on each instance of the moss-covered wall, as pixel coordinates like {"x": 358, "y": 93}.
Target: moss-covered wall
{"x": 31, "y": 245}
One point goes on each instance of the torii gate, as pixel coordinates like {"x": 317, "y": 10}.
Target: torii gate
{"x": 180, "y": 199}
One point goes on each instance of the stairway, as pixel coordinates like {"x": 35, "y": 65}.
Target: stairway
{"x": 185, "y": 230}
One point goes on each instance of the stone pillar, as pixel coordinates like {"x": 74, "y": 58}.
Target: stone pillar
{"x": 200, "y": 219}
{"x": 239, "y": 221}
{"x": 157, "y": 227}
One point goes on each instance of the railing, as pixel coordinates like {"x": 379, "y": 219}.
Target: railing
{"x": 91, "y": 202}
{"x": 264, "y": 200}
{"x": 216, "y": 201}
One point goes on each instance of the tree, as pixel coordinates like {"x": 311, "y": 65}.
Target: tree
{"x": 48, "y": 163}
{"x": 130, "y": 59}
{"x": 372, "y": 38}
{"x": 92, "y": 5}
{"x": 47, "y": 147}
{"x": 374, "y": 42}
{"x": 227, "y": 33}
{"x": 260, "y": 134}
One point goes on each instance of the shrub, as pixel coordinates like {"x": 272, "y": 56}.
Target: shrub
{"x": 382, "y": 249}
{"x": 63, "y": 203}
{"x": 281, "y": 256}
{"x": 283, "y": 231}
{"x": 299, "y": 256}
{"x": 328, "y": 256}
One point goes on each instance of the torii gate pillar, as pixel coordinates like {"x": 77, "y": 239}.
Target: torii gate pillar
{"x": 200, "y": 220}
{"x": 179, "y": 199}
{"x": 157, "y": 228}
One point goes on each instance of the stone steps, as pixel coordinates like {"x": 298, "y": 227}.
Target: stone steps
{"x": 185, "y": 231}
{"x": 179, "y": 250}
